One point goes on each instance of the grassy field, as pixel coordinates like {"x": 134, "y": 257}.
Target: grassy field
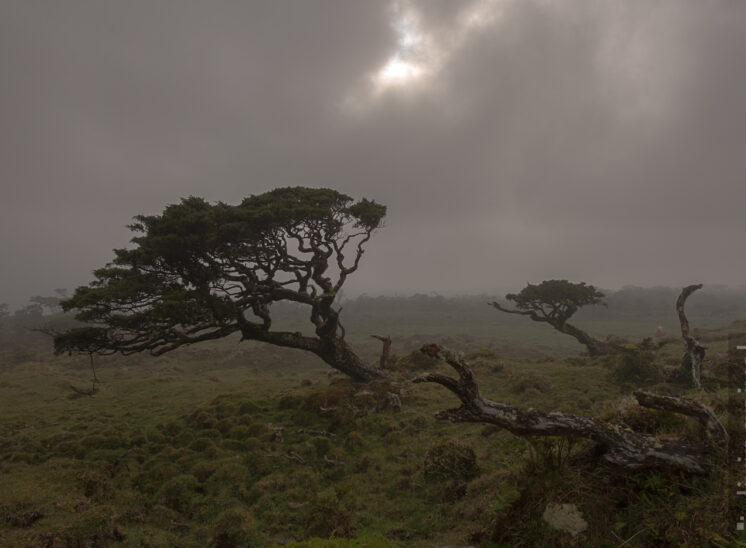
{"x": 230, "y": 444}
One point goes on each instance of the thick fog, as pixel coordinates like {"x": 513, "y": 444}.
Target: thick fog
{"x": 512, "y": 140}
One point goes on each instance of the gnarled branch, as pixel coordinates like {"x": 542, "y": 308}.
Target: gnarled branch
{"x": 620, "y": 446}
{"x": 714, "y": 429}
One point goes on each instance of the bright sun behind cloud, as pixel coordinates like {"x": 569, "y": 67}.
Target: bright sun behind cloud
{"x": 398, "y": 73}
{"x": 419, "y": 53}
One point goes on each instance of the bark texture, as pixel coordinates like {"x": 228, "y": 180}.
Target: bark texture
{"x": 714, "y": 429}
{"x": 619, "y": 446}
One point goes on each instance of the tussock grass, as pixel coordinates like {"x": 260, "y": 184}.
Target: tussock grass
{"x": 214, "y": 449}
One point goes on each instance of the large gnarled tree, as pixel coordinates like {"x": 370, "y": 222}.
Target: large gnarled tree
{"x": 202, "y": 271}
{"x": 554, "y": 302}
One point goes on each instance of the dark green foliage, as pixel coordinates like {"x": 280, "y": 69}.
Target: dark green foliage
{"x": 202, "y": 271}
{"x": 450, "y": 461}
{"x": 558, "y": 299}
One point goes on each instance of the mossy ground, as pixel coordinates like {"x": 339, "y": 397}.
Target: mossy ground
{"x": 206, "y": 447}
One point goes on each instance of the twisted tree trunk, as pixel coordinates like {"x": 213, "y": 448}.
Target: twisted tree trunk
{"x": 594, "y": 346}
{"x": 619, "y": 446}
{"x": 383, "y": 362}
{"x": 338, "y": 354}
{"x": 694, "y": 353}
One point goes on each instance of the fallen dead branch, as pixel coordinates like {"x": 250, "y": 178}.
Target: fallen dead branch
{"x": 714, "y": 429}
{"x": 619, "y": 446}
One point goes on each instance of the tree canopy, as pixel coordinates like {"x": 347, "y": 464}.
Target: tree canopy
{"x": 555, "y": 300}
{"x": 201, "y": 271}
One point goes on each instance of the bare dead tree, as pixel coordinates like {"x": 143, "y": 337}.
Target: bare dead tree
{"x": 619, "y": 446}
{"x": 383, "y": 362}
{"x": 694, "y": 353}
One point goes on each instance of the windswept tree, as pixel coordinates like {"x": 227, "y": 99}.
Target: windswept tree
{"x": 202, "y": 271}
{"x": 554, "y": 302}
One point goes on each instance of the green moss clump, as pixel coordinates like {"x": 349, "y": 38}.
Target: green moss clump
{"x": 633, "y": 367}
{"x": 528, "y": 382}
{"x": 238, "y": 433}
{"x": 171, "y": 429}
{"x": 289, "y": 402}
{"x": 229, "y": 478}
{"x": 327, "y": 517}
{"x": 224, "y": 425}
{"x": 178, "y": 493}
{"x": 233, "y": 528}
{"x": 256, "y": 430}
{"x": 361, "y": 542}
{"x": 233, "y": 445}
{"x": 353, "y": 441}
{"x": 95, "y": 484}
{"x": 248, "y": 408}
{"x": 201, "y": 444}
{"x": 101, "y": 442}
{"x": 203, "y": 470}
{"x": 321, "y": 445}
{"x": 450, "y": 461}
{"x": 200, "y": 419}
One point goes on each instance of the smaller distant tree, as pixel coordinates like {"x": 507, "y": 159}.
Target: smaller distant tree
{"x": 554, "y": 302}
{"x": 4, "y": 313}
{"x": 50, "y": 304}
{"x": 31, "y": 311}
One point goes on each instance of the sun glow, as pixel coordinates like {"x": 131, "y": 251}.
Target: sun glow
{"x": 397, "y": 73}
{"x": 420, "y": 54}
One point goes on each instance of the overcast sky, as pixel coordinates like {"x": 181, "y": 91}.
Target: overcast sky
{"x": 512, "y": 140}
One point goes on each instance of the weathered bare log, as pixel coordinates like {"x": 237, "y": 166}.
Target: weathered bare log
{"x": 714, "y": 429}
{"x": 694, "y": 352}
{"x": 383, "y": 362}
{"x": 619, "y": 446}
